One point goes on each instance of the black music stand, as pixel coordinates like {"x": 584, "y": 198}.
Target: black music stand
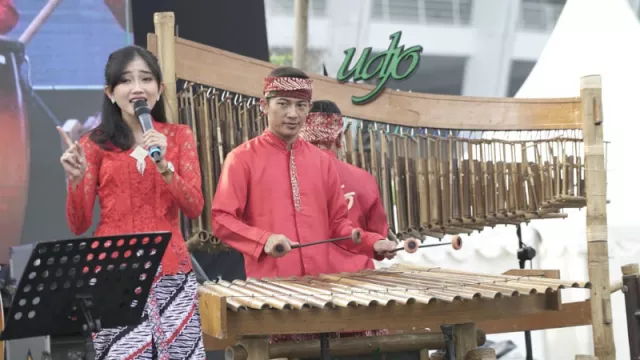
{"x": 73, "y": 288}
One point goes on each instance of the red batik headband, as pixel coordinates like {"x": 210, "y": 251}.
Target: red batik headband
{"x": 322, "y": 129}
{"x": 287, "y": 87}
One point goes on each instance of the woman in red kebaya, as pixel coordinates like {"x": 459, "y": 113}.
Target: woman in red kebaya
{"x": 138, "y": 195}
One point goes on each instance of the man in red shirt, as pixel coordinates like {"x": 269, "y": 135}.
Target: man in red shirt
{"x": 324, "y": 129}
{"x": 276, "y": 189}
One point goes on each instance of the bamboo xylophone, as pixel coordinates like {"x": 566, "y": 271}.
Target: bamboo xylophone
{"x": 398, "y": 298}
{"x": 399, "y": 284}
{"x": 444, "y": 165}
{"x": 430, "y": 185}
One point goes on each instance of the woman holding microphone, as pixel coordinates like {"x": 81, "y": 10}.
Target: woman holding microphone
{"x": 137, "y": 195}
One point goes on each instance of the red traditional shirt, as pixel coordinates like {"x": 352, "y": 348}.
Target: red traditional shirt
{"x": 131, "y": 202}
{"x": 364, "y": 204}
{"x": 265, "y": 188}
{"x": 365, "y": 211}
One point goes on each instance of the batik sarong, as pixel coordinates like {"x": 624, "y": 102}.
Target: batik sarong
{"x": 170, "y": 328}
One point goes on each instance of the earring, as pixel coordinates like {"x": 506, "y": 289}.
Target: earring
{"x": 113, "y": 100}
{"x": 158, "y": 98}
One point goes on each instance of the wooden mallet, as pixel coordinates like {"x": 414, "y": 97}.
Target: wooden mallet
{"x": 198, "y": 241}
{"x": 412, "y": 246}
{"x": 355, "y": 237}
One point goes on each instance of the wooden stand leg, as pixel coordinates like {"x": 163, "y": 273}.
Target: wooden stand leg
{"x": 631, "y": 289}
{"x": 249, "y": 348}
{"x": 596, "y": 193}
{"x": 481, "y": 354}
{"x": 424, "y": 354}
{"x": 464, "y": 337}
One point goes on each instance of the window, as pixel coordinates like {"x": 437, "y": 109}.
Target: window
{"x": 317, "y": 8}
{"x": 449, "y": 12}
{"x": 540, "y": 15}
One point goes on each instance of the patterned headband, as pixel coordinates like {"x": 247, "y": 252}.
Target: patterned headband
{"x": 287, "y": 87}
{"x": 322, "y": 129}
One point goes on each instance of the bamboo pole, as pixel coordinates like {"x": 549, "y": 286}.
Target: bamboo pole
{"x": 631, "y": 280}
{"x": 301, "y": 35}
{"x": 164, "y": 28}
{"x": 353, "y": 346}
{"x": 596, "y": 190}
{"x": 481, "y": 354}
{"x": 165, "y": 23}
{"x": 464, "y": 337}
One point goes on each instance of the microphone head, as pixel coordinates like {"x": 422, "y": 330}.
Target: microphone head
{"x": 140, "y": 107}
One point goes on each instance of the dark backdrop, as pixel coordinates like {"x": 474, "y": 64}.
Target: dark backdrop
{"x": 238, "y": 26}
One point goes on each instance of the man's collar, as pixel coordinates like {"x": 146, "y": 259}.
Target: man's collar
{"x": 276, "y": 141}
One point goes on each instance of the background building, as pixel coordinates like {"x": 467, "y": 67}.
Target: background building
{"x": 471, "y": 47}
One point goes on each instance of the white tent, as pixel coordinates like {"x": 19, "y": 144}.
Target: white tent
{"x": 595, "y": 37}
{"x": 591, "y": 37}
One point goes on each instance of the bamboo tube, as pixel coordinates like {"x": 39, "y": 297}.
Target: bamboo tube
{"x": 165, "y": 23}
{"x": 481, "y": 354}
{"x": 596, "y": 192}
{"x": 308, "y": 299}
{"x": 351, "y": 346}
{"x": 362, "y": 346}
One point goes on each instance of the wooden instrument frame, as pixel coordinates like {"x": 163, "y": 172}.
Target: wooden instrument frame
{"x": 197, "y": 63}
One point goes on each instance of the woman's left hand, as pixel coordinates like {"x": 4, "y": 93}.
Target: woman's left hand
{"x": 153, "y": 138}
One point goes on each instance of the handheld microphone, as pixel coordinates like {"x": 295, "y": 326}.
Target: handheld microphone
{"x": 143, "y": 113}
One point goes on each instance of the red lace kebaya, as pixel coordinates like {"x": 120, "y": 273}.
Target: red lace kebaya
{"x": 131, "y": 202}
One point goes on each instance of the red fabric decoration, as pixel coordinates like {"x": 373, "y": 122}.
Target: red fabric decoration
{"x": 322, "y": 129}
{"x": 8, "y": 16}
{"x": 119, "y": 10}
{"x": 288, "y": 87}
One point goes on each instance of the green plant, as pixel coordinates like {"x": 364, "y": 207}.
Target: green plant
{"x": 281, "y": 59}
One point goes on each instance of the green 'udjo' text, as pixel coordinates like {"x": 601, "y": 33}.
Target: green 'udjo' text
{"x": 387, "y": 67}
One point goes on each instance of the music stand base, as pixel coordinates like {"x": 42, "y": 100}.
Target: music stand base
{"x": 91, "y": 325}
{"x": 525, "y": 253}
{"x": 78, "y": 347}
{"x": 72, "y": 348}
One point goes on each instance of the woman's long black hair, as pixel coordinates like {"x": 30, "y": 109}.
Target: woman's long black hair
{"x": 112, "y": 130}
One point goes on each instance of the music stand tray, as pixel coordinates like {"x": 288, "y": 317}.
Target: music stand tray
{"x": 72, "y": 288}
